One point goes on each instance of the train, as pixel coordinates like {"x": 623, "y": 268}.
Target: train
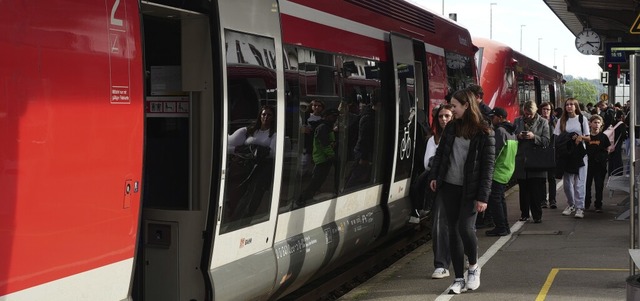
{"x": 509, "y": 78}
{"x": 119, "y": 180}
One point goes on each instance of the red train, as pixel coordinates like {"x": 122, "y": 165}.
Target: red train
{"x": 509, "y": 78}
{"x": 119, "y": 176}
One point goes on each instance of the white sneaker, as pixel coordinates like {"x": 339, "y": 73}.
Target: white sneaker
{"x": 569, "y": 210}
{"x": 579, "y": 213}
{"x": 414, "y": 220}
{"x": 440, "y": 273}
{"x": 457, "y": 287}
{"x": 473, "y": 279}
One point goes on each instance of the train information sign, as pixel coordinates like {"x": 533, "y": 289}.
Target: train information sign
{"x": 620, "y": 52}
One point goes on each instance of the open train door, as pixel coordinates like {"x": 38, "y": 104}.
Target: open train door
{"x": 242, "y": 264}
{"x": 405, "y": 115}
{"x": 178, "y": 164}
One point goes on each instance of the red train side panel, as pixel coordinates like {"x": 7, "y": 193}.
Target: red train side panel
{"x": 71, "y": 129}
{"x": 510, "y": 78}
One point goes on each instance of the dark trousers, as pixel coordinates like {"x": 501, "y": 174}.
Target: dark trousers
{"x": 497, "y": 205}
{"x": 551, "y": 179}
{"x": 440, "y": 235}
{"x": 532, "y": 193}
{"x": 418, "y": 191}
{"x": 320, "y": 173}
{"x": 596, "y": 172}
{"x": 461, "y": 217}
{"x": 615, "y": 163}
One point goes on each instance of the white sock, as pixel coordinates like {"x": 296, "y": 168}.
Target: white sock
{"x": 473, "y": 266}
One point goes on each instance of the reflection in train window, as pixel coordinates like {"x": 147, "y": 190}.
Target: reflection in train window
{"x": 251, "y": 100}
{"x": 459, "y": 71}
{"x": 316, "y": 84}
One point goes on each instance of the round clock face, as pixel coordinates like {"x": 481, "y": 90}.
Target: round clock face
{"x": 588, "y": 42}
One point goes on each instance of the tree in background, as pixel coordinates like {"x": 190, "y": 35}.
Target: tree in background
{"x": 582, "y": 90}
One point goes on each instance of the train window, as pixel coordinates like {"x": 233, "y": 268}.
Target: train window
{"x": 526, "y": 88}
{"x": 311, "y": 79}
{"x": 508, "y": 77}
{"x": 251, "y": 94}
{"x": 459, "y": 71}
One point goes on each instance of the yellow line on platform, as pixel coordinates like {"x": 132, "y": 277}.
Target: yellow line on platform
{"x": 542, "y": 295}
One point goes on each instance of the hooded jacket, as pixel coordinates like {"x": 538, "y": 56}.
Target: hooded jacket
{"x": 506, "y": 150}
{"x": 478, "y": 168}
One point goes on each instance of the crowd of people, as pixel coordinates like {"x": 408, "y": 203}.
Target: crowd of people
{"x": 474, "y": 153}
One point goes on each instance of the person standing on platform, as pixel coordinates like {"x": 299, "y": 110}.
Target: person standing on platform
{"x": 532, "y": 130}
{"x": 461, "y": 174}
{"x": 597, "y": 155}
{"x": 506, "y": 149}
{"x": 483, "y": 220}
{"x": 574, "y": 129}
{"x": 546, "y": 112}
{"x": 440, "y": 228}
{"x": 620, "y": 134}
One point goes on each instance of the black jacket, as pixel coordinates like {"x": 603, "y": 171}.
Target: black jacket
{"x": 478, "y": 168}
{"x": 569, "y": 156}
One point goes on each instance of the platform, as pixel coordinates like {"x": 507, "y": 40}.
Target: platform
{"x": 563, "y": 258}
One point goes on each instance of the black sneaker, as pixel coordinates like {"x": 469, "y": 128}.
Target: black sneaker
{"x": 598, "y": 210}
{"x": 553, "y": 206}
{"x": 497, "y": 232}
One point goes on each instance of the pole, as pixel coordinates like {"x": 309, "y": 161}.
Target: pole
{"x": 634, "y": 67}
{"x": 554, "y": 58}
{"x": 539, "y": 39}
{"x": 521, "y": 26}
{"x": 564, "y": 60}
{"x": 491, "y": 19}
{"x": 443, "y": 7}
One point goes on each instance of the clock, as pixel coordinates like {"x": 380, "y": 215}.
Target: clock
{"x": 588, "y": 42}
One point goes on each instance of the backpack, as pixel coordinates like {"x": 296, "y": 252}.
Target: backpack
{"x": 611, "y": 134}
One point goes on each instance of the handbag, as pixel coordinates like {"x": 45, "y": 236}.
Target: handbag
{"x": 540, "y": 158}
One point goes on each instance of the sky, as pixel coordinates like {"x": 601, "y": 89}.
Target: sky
{"x": 557, "y": 46}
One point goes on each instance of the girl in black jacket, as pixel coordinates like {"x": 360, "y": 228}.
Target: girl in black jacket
{"x": 461, "y": 175}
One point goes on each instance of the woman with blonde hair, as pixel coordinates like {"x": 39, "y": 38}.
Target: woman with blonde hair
{"x": 532, "y": 130}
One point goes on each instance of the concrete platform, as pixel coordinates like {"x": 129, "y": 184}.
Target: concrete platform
{"x": 563, "y": 258}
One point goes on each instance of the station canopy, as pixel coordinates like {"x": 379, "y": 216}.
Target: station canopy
{"x": 613, "y": 20}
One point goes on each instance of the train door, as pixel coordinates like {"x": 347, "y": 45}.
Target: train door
{"x": 179, "y": 115}
{"x": 242, "y": 264}
{"x": 405, "y": 111}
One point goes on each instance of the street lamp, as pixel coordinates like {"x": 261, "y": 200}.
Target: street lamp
{"x": 491, "y": 19}
{"x": 539, "y": 39}
{"x": 554, "y": 59}
{"x": 443, "y": 7}
{"x": 521, "y": 26}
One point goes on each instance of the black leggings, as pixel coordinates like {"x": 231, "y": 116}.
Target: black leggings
{"x": 461, "y": 216}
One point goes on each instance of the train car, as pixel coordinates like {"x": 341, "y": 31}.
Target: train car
{"x": 509, "y": 78}
{"x": 120, "y": 174}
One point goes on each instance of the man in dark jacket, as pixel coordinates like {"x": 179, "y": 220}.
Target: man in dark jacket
{"x": 505, "y": 149}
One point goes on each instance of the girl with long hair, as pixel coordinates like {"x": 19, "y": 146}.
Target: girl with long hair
{"x": 576, "y": 128}
{"x": 461, "y": 174}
